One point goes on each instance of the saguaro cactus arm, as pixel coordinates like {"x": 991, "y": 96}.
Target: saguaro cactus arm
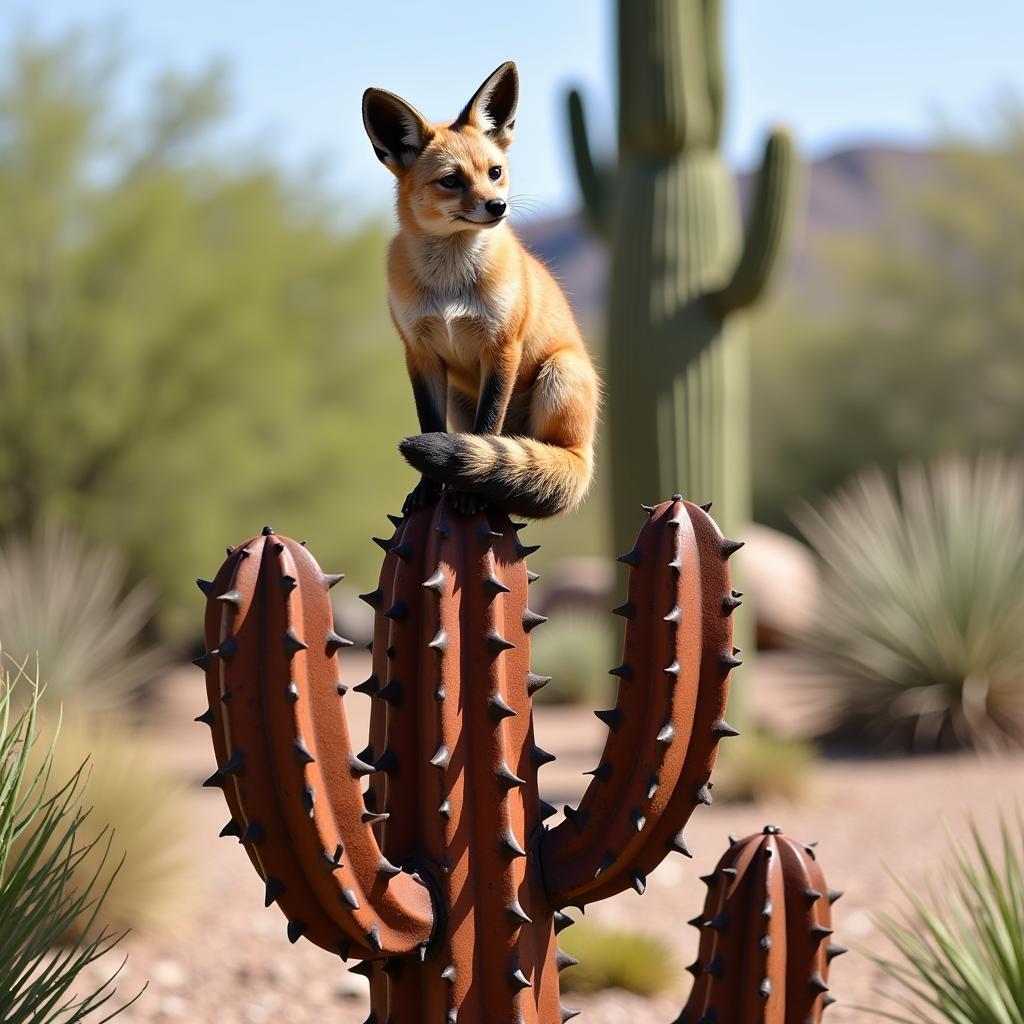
{"x": 596, "y": 183}
{"x": 766, "y": 231}
{"x": 285, "y": 762}
{"x": 665, "y": 727}
{"x": 766, "y": 930}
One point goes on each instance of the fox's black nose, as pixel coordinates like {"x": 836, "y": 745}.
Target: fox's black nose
{"x": 495, "y": 207}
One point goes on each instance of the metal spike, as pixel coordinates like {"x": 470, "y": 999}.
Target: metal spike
{"x": 562, "y": 921}
{"x": 730, "y": 547}
{"x": 399, "y": 611}
{"x": 435, "y": 582}
{"x": 452, "y": 1016}
{"x": 387, "y": 762}
{"x": 733, "y": 840}
{"x": 359, "y": 767}
{"x": 511, "y": 845}
{"x": 301, "y": 751}
{"x": 638, "y": 819}
{"x": 387, "y": 869}
{"x": 563, "y": 960}
{"x": 612, "y": 717}
{"x": 819, "y": 932}
{"x": 719, "y": 922}
{"x": 235, "y": 763}
{"x": 225, "y": 697}
{"x": 525, "y": 550}
{"x": 606, "y": 862}
{"x": 365, "y": 968}
{"x": 575, "y": 815}
{"x": 694, "y": 968}
{"x": 835, "y": 894}
{"x": 768, "y": 909}
{"x": 547, "y": 810}
{"x": 531, "y": 620}
{"x": 441, "y": 758}
{"x": 292, "y": 643}
{"x": 402, "y": 551}
{"x": 765, "y": 988}
{"x": 715, "y": 967}
{"x": 531, "y": 576}
{"x": 487, "y": 535}
{"x": 541, "y": 756}
{"x": 232, "y": 828}
{"x": 202, "y": 661}
{"x": 622, "y": 671}
{"x": 288, "y": 583}
{"x": 253, "y": 834}
{"x": 817, "y": 983}
{"x": 652, "y": 786}
{"x": 728, "y": 661}
{"x": 666, "y": 734}
{"x": 382, "y": 543}
{"x": 227, "y": 649}
{"x": 730, "y": 873}
{"x": 630, "y": 558}
{"x": 568, "y": 1013}
{"x": 706, "y": 507}
{"x": 603, "y": 772}
{"x": 233, "y": 597}
{"x": 369, "y": 686}
{"x": 215, "y": 780}
{"x": 833, "y": 949}
{"x": 295, "y": 931}
{"x": 648, "y": 509}
{"x": 678, "y": 843}
{"x": 516, "y": 912}
{"x": 494, "y": 586}
{"x": 675, "y": 615}
{"x": 673, "y": 669}
{"x": 627, "y": 610}
{"x": 507, "y": 779}
{"x": 291, "y": 692}
{"x": 343, "y": 949}
{"x": 373, "y": 937}
{"x": 332, "y": 861}
{"x": 811, "y": 895}
{"x": 372, "y": 818}
{"x": 449, "y": 974}
{"x": 723, "y": 730}
{"x": 518, "y": 979}
{"x": 827, "y": 1001}
{"x": 395, "y": 521}
{"x": 375, "y": 598}
{"x": 704, "y": 795}
{"x": 535, "y": 682}
{"x": 391, "y": 693}
{"x": 498, "y": 708}
{"x": 696, "y": 922}
{"x": 497, "y": 643}
{"x": 206, "y": 586}
{"x": 332, "y": 579}
{"x": 676, "y": 565}
{"x": 206, "y": 717}
{"x": 639, "y": 881}
{"x": 445, "y": 810}
{"x": 440, "y": 642}
{"x": 334, "y": 642}
{"x": 275, "y": 888}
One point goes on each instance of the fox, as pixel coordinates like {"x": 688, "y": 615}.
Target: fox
{"x": 492, "y": 347}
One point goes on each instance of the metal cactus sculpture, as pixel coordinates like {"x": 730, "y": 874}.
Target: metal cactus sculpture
{"x": 441, "y": 877}
{"x": 681, "y": 268}
{"x": 765, "y": 945}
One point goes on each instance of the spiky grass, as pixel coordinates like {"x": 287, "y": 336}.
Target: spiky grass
{"x": 960, "y": 953}
{"x": 42, "y": 892}
{"x": 617, "y": 958}
{"x": 918, "y": 637}
{"x": 68, "y": 606}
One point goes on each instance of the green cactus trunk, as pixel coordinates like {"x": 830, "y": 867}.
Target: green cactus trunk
{"x": 682, "y": 269}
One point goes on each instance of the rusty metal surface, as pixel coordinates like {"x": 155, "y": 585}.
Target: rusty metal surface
{"x": 466, "y": 930}
{"x": 766, "y": 930}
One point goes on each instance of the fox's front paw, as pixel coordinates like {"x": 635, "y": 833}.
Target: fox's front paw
{"x": 425, "y": 492}
{"x": 467, "y": 504}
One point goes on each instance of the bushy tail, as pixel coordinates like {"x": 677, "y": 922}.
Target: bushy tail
{"x": 519, "y": 475}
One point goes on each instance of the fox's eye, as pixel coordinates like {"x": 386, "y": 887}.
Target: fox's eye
{"x": 449, "y": 181}
{"x": 494, "y": 173}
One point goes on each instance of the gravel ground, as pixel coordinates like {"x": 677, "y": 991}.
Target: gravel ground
{"x": 232, "y": 964}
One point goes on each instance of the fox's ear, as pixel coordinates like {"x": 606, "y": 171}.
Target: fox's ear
{"x": 493, "y": 106}
{"x": 398, "y": 131}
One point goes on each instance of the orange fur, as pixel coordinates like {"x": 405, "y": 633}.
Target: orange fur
{"x": 491, "y": 343}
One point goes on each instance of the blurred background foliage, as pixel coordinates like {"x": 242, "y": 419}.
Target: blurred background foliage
{"x": 192, "y": 341}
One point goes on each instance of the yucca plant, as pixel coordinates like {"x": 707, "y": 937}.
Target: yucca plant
{"x": 42, "y": 893}
{"x": 960, "y": 953}
{"x": 68, "y": 606}
{"x": 618, "y": 958}
{"x": 918, "y": 638}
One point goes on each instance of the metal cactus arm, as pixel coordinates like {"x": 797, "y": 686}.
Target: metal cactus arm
{"x": 665, "y": 727}
{"x": 284, "y": 758}
{"x": 766, "y": 930}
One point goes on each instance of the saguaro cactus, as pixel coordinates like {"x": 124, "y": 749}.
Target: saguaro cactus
{"x": 441, "y": 876}
{"x": 765, "y": 936}
{"x": 677, "y": 356}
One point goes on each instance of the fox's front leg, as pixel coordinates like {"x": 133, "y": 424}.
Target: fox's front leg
{"x": 429, "y": 378}
{"x": 499, "y": 366}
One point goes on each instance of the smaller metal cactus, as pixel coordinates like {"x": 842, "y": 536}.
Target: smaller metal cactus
{"x": 765, "y": 936}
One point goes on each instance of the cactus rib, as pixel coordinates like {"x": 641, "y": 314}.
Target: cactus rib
{"x": 666, "y": 725}
{"x": 286, "y": 765}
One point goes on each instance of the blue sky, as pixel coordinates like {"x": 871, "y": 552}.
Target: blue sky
{"x": 877, "y": 70}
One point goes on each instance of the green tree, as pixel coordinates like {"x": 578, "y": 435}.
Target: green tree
{"x": 923, "y": 351}
{"x": 192, "y": 341}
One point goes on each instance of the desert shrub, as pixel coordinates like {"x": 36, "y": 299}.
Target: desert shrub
{"x": 759, "y": 765}
{"x": 68, "y": 606}
{"x": 960, "y": 950}
{"x": 918, "y": 638}
{"x": 138, "y": 807}
{"x": 576, "y": 649}
{"x": 45, "y": 893}
{"x": 617, "y": 958}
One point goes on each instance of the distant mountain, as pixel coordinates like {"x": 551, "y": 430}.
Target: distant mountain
{"x": 848, "y": 193}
